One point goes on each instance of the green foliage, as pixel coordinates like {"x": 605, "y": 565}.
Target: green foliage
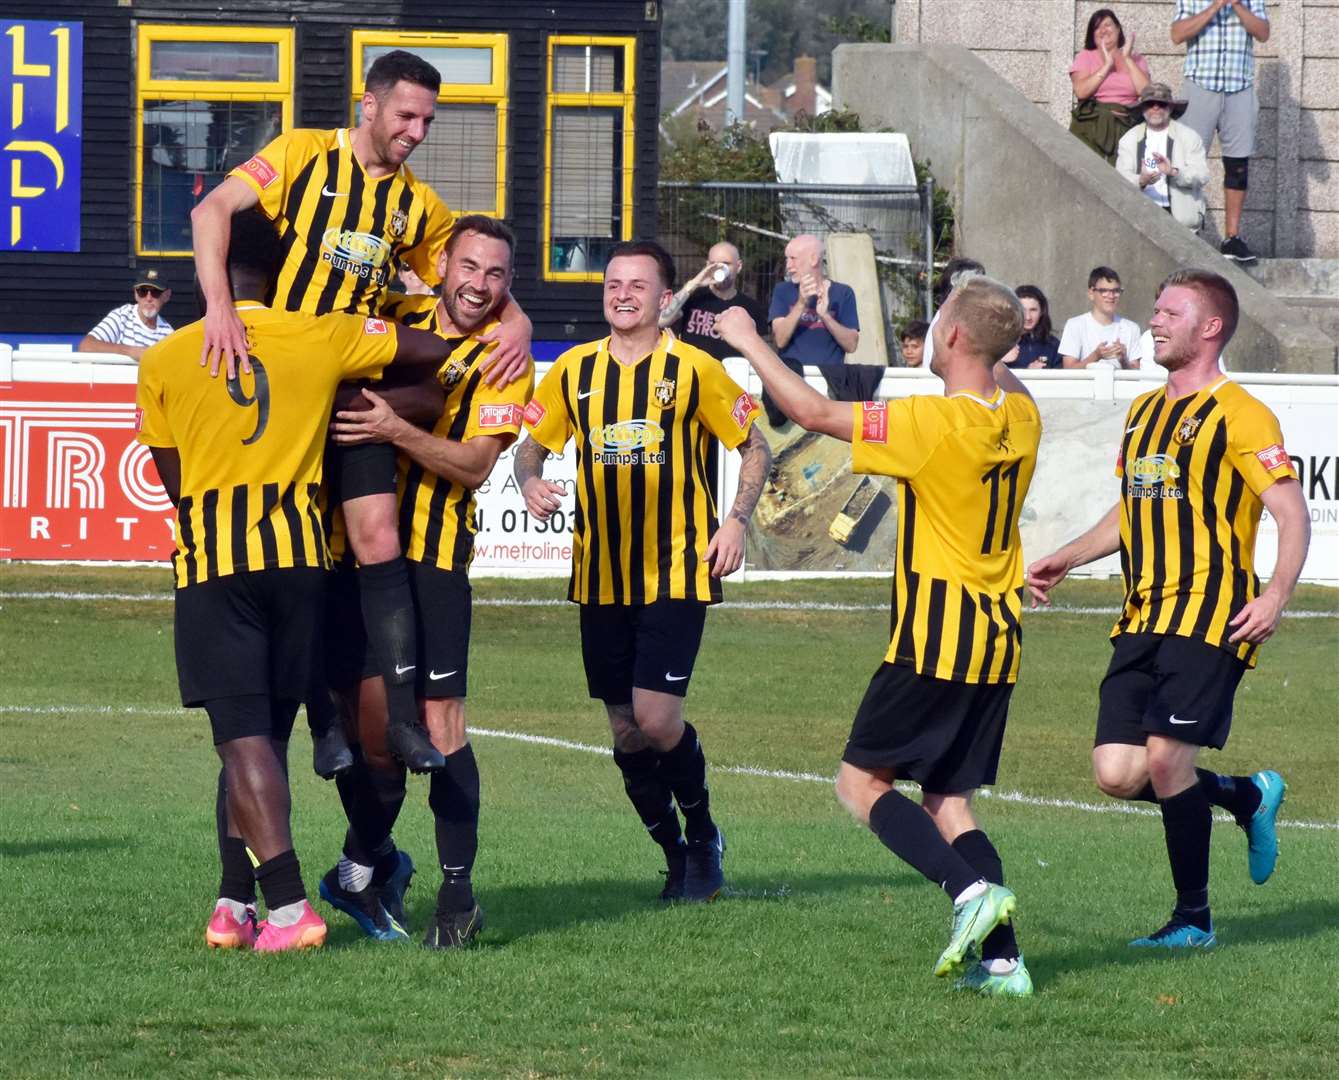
{"x": 815, "y": 963}
{"x": 855, "y": 27}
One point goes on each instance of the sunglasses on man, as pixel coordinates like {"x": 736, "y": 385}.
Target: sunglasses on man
{"x": 147, "y": 290}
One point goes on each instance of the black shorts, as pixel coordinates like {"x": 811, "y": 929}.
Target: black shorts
{"x": 251, "y": 714}
{"x": 944, "y": 735}
{"x": 1160, "y": 684}
{"x": 649, "y": 646}
{"x": 442, "y": 608}
{"x": 354, "y": 471}
{"x": 251, "y": 633}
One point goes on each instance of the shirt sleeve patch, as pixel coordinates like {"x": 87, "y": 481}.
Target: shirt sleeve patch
{"x": 534, "y": 413}
{"x": 139, "y": 421}
{"x": 505, "y": 415}
{"x": 742, "y": 410}
{"x": 261, "y": 171}
{"x": 874, "y": 421}
{"x": 375, "y": 326}
{"x": 1273, "y": 457}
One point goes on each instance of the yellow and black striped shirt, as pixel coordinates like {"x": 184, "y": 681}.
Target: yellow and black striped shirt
{"x": 644, "y": 508}
{"x": 251, "y": 447}
{"x": 1192, "y": 470}
{"x": 963, "y": 467}
{"x": 343, "y": 232}
{"x": 437, "y": 524}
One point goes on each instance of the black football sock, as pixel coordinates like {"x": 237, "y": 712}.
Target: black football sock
{"x": 238, "y": 880}
{"x": 389, "y": 785}
{"x": 388, "y": 614}
{"x": 650, "y": 795}
{"x": 370, "y": 823}
{"x": 908, "y": 832}
{"x": 453, "y": 797}
{"x": 1238, "y": 795}
{"x": 280, "y": 880}
{"x": 1187, "y": 821}
{"x": 684, "y": 769}
{"x": 976, "y": 848}
{"x": 322, "y": 714}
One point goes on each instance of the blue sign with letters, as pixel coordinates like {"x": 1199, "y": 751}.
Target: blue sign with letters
{"x": 41, "y": 134}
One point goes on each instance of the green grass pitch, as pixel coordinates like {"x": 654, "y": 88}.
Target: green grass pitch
{"x": 817, "y": 961}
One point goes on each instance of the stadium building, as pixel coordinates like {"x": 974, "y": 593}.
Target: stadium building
{"x": 122, "y": 114}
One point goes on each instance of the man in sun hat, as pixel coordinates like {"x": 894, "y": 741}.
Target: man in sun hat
{"x": 1164, "y": 157}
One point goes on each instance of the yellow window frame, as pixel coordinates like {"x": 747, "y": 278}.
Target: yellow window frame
{"x": 147, "y": 88}
{"x": 626, "y": 99}
{"x": 492, "y": 93}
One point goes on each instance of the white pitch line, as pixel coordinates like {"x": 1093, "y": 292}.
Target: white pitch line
{"x": 1019, "y": 797}
{"x": 729, "y": 605}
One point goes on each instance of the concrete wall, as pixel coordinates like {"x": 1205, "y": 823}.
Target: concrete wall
{"x": 1292, "y": 207}
{"x": 1036, "y": 205}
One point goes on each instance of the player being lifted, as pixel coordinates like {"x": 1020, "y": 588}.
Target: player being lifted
{"x": 935, "y": 711}
{"x": 349, "y": 210}
{"x": 1198, "y": 461}
{"x": 439, "y": 473}
{"x": 241, "y": 460}
{"x": 647, "y": 553}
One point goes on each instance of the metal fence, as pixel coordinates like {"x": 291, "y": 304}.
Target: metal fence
{"x": 760, "y": 218}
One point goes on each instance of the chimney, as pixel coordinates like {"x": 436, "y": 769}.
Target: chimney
{"x": 806, "y": 86}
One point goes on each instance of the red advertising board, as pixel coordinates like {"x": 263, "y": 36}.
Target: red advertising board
{"x": 76, "y": 483}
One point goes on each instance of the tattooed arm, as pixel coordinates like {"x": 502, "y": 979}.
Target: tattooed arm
{"x": 725, "y": 552}
{"x": 542, "y": 497}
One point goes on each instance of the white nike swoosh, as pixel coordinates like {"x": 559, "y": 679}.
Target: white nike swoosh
{"x": 401, "y": 670}
{"x": 1173, "y": 720}
{"x": 434, "y": 676}
{"x": 325, "y": 190}
{"x": 1137, "y": 427}
{"x": 586, "y": 393}
{"x": 674, "y": 678}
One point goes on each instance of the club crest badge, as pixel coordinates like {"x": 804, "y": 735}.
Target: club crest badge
{"x": 398, "y": 224}
{"x": 1186, "y": 431}
{"x": 664, "y": 391}
{"x": 453, "y": 373}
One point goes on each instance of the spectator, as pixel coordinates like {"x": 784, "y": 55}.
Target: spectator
{"x": 1100, "y": 335}
{"x": 132, "y": 328}
{"x": 1165, "y": 158}
{"x": 696, "y": 307}
{"x": 1037, "y": 347}
{"x": 913, "y": 342}
{"x": 813, "y": 318}
{"x": 1107, "y": 76}
{"x": 1219, "y": 86}
{"x": 944, "y": 282}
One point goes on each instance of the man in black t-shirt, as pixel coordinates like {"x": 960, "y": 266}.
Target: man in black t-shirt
{"x": 693, "y": 310}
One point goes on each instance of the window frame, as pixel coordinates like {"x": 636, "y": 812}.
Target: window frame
{"x": 492, "y": 93}
{"x": 626, "y": 99}
{"x": 148, "y": 88}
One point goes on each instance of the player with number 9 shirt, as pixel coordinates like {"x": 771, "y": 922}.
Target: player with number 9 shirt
{"x": 935, "y": 711}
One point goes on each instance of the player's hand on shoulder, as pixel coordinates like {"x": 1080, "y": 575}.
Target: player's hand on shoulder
{"x": 225, "y": 341}
{"x": 510, "y": 359}
{"x": 542, "y": 497}
{"x": 725, "y": 552}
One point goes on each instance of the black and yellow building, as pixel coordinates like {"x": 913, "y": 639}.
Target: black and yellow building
{"x": 546, "y": 118}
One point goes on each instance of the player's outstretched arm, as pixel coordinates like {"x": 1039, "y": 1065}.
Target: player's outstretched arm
{"x": 1257, "y": 621}
{"x": 464, "y": 463}
{"x": 511, "y": 359}
{"x": 211, "y": 225}
{"x": 725, "y": 551}
{"x": 795, "y": 397}
{"x": 542, "y": 497}
{"x": 1047, "y": 572}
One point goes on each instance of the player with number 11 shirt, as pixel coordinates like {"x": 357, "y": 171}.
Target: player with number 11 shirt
{"x": 935, "y": 711}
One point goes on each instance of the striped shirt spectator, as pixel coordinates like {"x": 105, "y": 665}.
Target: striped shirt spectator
{"x": 132, "y": 328}
{"x": 1221, "y": 57}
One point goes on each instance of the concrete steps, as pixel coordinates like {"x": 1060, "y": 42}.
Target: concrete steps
{"x": 1309, "y": 286}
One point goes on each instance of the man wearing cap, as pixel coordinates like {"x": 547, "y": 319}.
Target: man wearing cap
{"x": 1164, "y": 157}
{"x": 132, "y": 328}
